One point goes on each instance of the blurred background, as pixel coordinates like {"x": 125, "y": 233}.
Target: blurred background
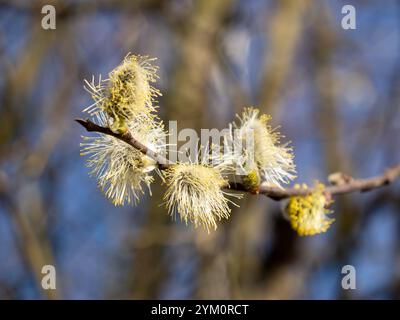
{"x": 335, "y": 93}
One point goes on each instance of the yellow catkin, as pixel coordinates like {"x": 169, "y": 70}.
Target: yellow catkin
{"x": 194, "y": 192}
{"x": 120, "y": 169}
{"x": 127, "y": 93}
{"x": 261, "y": 149}
{"x": 308, "y": 214}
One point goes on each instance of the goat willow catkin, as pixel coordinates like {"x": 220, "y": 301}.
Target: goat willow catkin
{"x": 196, "y": 190}
{"x": 122, "y": 170}
{"x": 308, "y": 214}
{"x": 262, "y": 157}
{"x": 126, "y": 93}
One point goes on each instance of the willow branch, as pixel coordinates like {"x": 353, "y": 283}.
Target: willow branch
{"x": 343, "y": 186}
{"x": 341, "y": 183}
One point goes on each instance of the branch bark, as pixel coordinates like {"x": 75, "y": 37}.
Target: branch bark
{"x": 342, "y": 183}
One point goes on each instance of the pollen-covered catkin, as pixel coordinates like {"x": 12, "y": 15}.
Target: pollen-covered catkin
{"x": 127, "y": 93}
{"x": 195, "y": 192}
{"x": 308, "y": 214}
{"x": 122, "y": 170}
{"x": 258, "y": 150}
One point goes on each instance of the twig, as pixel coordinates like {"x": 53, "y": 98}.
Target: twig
{"x": 346, "y": 185}
{"x": 352, "y": 185}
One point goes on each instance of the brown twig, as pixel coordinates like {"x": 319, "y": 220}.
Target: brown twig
{"x": 345, "y": 185}
{"x": 349, "y": 186}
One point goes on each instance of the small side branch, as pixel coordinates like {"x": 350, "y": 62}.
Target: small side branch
{"x": 341, "y": 183}
{"x": 344, "y": 186}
